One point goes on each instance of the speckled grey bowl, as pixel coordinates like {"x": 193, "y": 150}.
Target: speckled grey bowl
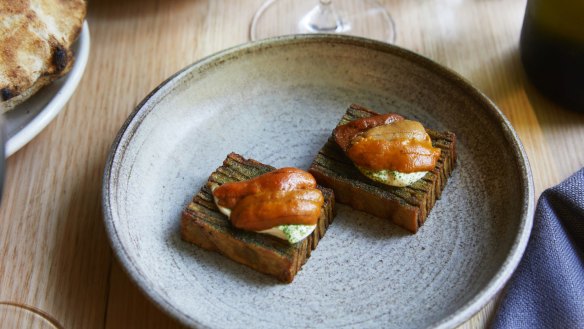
{"x": 277, "y": 101}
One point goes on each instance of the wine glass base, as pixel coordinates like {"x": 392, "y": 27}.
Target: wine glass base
{"x": 13, "y": 315}
{"x": 364, "y": 18}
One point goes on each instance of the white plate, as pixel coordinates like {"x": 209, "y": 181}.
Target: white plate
{"x": 29, "y": 118}
{"x": 277, "y": 101}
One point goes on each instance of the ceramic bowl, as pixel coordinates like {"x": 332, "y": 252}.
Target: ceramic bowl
{"x": 277, "y": 101}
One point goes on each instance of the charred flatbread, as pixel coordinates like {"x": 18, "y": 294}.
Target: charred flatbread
{"x": 35, "y": 45}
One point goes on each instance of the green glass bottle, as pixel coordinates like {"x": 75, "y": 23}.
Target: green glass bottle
{"x": 552, "y": 49}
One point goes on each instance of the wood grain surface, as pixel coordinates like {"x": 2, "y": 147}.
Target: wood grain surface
{"x": 54, "y": 252}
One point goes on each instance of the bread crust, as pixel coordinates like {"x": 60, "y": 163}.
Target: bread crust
{"x": 36, "y": 37}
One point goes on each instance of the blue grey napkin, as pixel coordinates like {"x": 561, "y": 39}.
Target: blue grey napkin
{"x": 547, "y": 290}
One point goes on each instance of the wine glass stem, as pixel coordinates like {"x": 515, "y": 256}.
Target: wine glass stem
{"x": 324, "y": 18}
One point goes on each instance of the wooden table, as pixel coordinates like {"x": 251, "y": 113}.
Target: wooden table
{"x": 54, "y": 253}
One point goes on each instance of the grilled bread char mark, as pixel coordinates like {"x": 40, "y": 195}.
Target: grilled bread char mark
{"x": 203, "y": 225}
{"x": 408, "y": 206}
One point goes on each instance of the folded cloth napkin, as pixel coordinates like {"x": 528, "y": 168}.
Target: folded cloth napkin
{"x": 547, "y": 290}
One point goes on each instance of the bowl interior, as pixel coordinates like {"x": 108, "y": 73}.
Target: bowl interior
{"x": 277, "y": 102}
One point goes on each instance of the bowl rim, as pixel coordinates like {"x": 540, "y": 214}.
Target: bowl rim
{"x": 466, "y": 311}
